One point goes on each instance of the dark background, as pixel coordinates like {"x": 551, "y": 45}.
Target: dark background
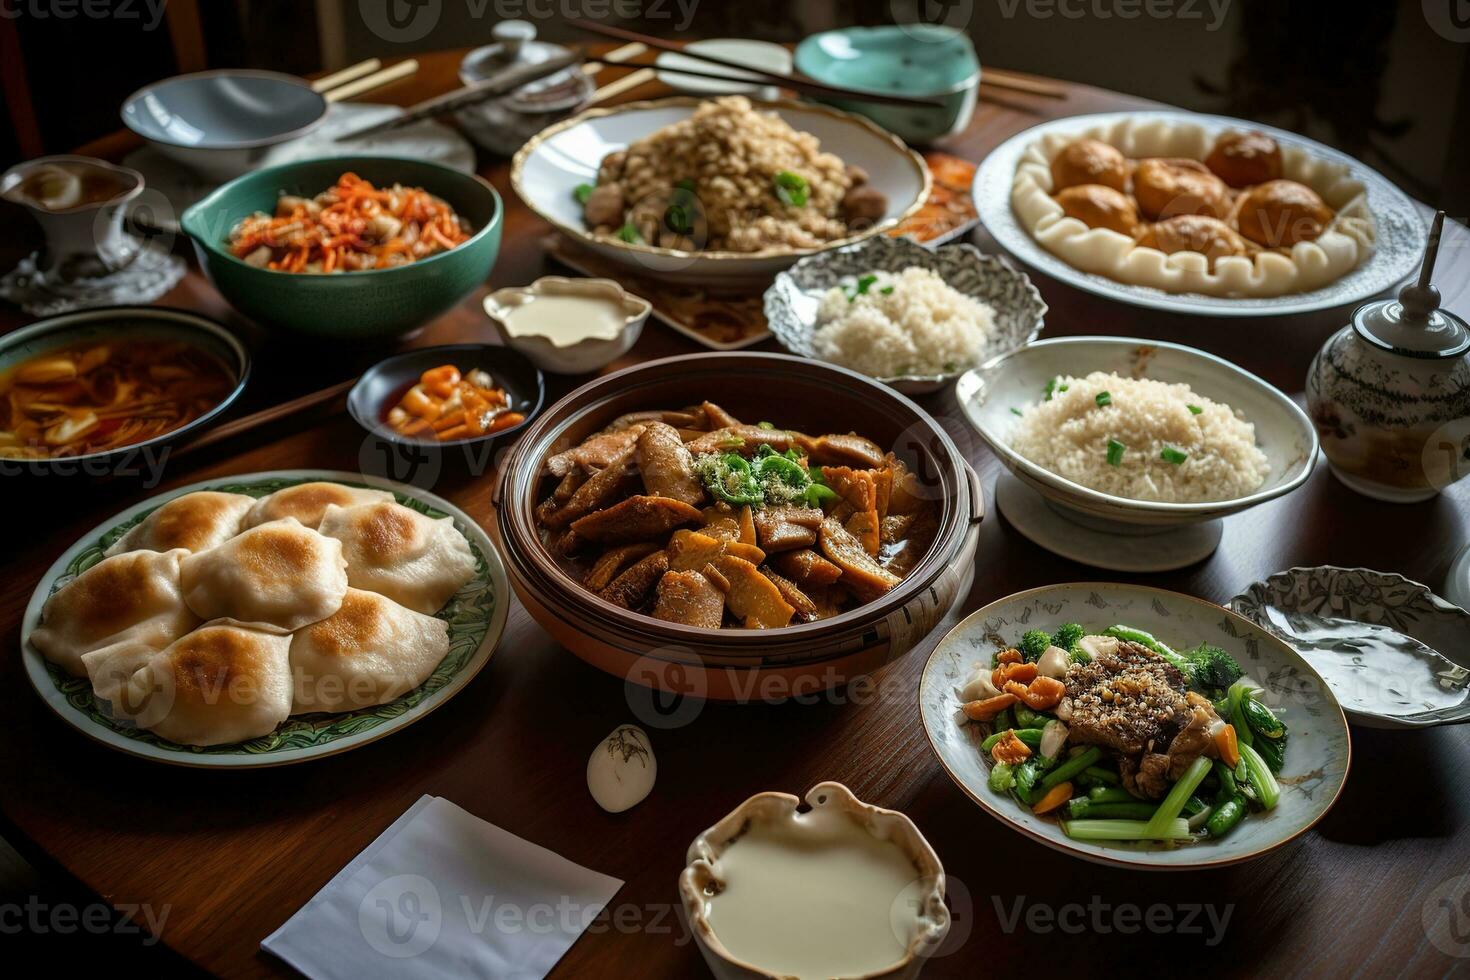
{"x": 1384, "y": 80}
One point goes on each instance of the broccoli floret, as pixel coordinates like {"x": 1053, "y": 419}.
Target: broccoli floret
{"x": 1067, "y": 636}
{"x": 1034, "y": 644}
{"x": 1207, "y": 668}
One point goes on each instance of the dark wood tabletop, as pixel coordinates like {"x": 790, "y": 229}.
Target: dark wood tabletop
{"x": 228, "y": 856}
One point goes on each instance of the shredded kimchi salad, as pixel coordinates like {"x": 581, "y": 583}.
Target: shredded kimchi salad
{"x": 349, "y": 227}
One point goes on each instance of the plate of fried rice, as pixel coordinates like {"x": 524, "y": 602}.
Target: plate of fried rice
{"x": 718, "y": 190}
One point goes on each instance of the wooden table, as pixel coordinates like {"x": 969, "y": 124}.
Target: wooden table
{"x": 232, "y": 855}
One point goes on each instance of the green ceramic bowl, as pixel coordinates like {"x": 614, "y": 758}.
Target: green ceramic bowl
{"x": 903, "y": 59}
{"x": 376, "y": 303}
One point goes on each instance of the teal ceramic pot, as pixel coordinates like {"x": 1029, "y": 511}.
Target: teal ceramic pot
{"x": 904, "y": 59}
{"x": 375, "y": 303}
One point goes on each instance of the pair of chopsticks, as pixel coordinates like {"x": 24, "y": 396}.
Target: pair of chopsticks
{"x": 362, "y": 77}
{"x": 805, "y": 86}
{"x": 493, "y": 87}
{"x": 991, "y": 77}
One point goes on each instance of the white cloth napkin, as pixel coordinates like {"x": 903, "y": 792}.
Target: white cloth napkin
{"x": 441, "y": 893}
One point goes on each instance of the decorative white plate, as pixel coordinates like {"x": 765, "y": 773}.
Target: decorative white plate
{"x": 762, "y": 55}
{"x": 549, "y": 167}
{"x": 1400, "y": 229}
{"x": 1393, "y": 652}
{"x": 476, "y": 617}
{"x": 1317, "y": 755}
{"x": 791, "y": 304}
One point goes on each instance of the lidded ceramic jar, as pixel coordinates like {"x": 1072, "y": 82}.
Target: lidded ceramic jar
{"x": 1390, "y": 393}
{"x": 502, "y": 125}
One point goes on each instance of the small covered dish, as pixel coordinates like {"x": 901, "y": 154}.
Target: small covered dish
{"x": 840, "y": 889}
{"x": 568, "y": 326}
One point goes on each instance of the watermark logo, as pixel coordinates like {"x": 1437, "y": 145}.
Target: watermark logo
{"x": 401, "y": 21}
{"x": 1450, "y": 19}
{"x": 1446, "y": 916}
{"x": 1211, "y": 12}
{"x": 917, "y": 17}
{"x": 663, "y": 693}
{"x": 401, "y": 916}
{"x": 1446, "y": 456}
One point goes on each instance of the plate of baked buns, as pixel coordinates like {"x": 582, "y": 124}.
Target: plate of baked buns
{"x": 265, "y": 619}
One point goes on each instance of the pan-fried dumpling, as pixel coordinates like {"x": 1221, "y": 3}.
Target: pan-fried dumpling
{"x": 195, "y": 522}
{"x": 279, "y": 574}
{"x": 308, "y": 501}
{"x": 224, "y": 682}
{"x": 370, "y": 651}
{"x": 394, "y": 551}
{"x": 130, "y": 599}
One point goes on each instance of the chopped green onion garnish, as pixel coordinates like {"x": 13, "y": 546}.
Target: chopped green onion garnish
{"x": 1016, "y": 411}
{"x": 1052, "y": 387}
{"x": 1115, "y": 452}
{"x": 678, "y": 220}
{"x": 765, "y": 425}
{"x": 1172, "y": 455}
{"x": 629, "y": 234}
{"x": 1195, "y": 409}
{"x": 864, "y": 283}
{"x": 886, "y": 290}
{"x": 582, "y": 191}
{"x": 685, "y": 185}
{"x": 791, "y": 188}
{"x": 1103, "y": 398}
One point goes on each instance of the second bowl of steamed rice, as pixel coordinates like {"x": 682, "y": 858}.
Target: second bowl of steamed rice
{"x": 1142, "y": 439}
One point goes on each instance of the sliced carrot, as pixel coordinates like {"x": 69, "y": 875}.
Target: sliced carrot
{"x": 1010, "y": 749}
{"x": 1227, "y": 744}
{"x": 440, "y": 380}
{"x": 988, "y": 708}
{"x": 1041, "y": 694}
{"x": 1020, "y": 672}
{"x": 1055, "y": 797}
{"x": 1011, "y": 656}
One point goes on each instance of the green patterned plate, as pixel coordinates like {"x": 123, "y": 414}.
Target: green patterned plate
{"x": 476, "y": 617}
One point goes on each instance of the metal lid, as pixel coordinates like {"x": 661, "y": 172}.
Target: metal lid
{"x": 1413, "y": 324}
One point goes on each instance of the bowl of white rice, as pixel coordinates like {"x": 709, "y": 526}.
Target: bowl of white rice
{"x": 1136, "y": 431}
{"x": 911, "y": 317}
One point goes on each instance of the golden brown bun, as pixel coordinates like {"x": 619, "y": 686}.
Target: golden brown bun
{"x": 1088, "y": 161}
{"x": 1194, "y": 233}
{"x": 1097, "y": 206}
{"x": 1281, "y": 213}
{"x": 1166, "y": 187}
{"x": 1243, "y": 159}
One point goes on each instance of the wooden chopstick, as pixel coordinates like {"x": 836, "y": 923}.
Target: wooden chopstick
{"x": 803, "y": 85}
{"x": 629, "y": 81}
{"x": 615, "y": 56}
{"x": 346, "y": 75}
{"x": 264, "y": 417}
{"x": 1003, "y": 79}
{"x": 367, "y": 83}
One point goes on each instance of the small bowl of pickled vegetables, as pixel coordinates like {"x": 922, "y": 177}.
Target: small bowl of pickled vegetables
{"x": 1134, "y": 726}
{"x": 451, "y": 395}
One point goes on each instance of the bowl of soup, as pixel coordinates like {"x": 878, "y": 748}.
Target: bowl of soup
{"x": 91, "y": 391}
{"x": 834, "y": 520}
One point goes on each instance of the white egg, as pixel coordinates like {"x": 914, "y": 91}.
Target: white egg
{"x": 622, "y": 769}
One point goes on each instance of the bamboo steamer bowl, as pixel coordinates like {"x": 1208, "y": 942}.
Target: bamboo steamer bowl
{"x": 737, "y": 664}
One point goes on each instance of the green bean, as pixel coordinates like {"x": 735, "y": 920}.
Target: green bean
{"x": 1101, "y": 775}
{"x": 1261, "y": 719}
{"x": 1086, "y": 808}
{"x": 1031, "y": 736}
{"x": 1110, "y": 794}
{"x": 1226, "y": 816}
{"x": 1071, "y": 767}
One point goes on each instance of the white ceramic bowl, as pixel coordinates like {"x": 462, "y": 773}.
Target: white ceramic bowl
{"x": 1318, "y": 753}
{"x": 1283, "y": 432}
{"x": 549, "y": 167}
{"x": 584, "y": 356}
{"x": 791, "y": 304}
{"x": 917, "y": 914}
{"x": 223, "y": 123}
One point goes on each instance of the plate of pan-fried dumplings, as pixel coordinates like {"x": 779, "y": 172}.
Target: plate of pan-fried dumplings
{"x": 265, "y": 619}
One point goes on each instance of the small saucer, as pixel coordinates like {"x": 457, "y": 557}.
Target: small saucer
{"x": 144, "y": 274}
{"x": 1375, "y": 637}
{"x": 1113, "y": 545}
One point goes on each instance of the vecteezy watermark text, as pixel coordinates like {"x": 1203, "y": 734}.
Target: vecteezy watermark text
{"x": 38, "y": 917}
{"x": 150, "y": 12}
{"x": 1212, "y": 12}
{"x": 1101, "y": 918}
{"x": 410, "y": 21}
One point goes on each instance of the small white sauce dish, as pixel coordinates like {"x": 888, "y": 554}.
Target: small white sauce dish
{"x": 568, "y": 326}
{"x": 840, "y": 889}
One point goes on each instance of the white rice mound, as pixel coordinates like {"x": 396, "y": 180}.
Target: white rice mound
{"x": 922, "y": 326}
{"x": 1069, "y": 436}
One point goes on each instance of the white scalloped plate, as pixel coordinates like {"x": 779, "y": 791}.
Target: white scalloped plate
{"x": 1399, "y": 246}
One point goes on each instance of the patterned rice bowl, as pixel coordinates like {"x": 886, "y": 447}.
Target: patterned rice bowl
{"x": 1390, "y": 649}
{"x": 476, "y": 617}
{"x": 1317, "y": 757}
{"x": 792, "y": 302}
